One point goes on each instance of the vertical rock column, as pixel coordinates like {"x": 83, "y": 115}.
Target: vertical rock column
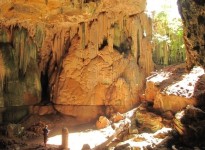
{"x": 193, "y": 16}
{"x": 65, "y": 138}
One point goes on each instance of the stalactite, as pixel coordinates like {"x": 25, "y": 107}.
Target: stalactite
{"x": 85, "y": 67}
{"x": 82, "y": 35}
{"x": 86, "y": 34}
{"x": 105, "y": 25}
{"x": 110, "y": 32}
{"x": 100, "y": 30}
{"x": 2, "y": 70}
{"x": 134, "y": 36}
{"x": 24, "y": 47}
{"x": 94, "y": 37}
{"x": 39, "y": 36}
{"x": 5, "y": 35}
{"x": 117, "y": 37}
{"x": 58, "y": 45}
{"x": 138, "y": 46}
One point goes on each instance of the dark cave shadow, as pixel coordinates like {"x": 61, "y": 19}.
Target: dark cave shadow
{"x": 199, "y": 92}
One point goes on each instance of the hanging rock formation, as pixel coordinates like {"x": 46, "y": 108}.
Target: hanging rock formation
{"x": 193, "y": 16}
{"x": 87, "y": 58}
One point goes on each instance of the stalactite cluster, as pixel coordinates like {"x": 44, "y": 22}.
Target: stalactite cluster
{"x": 82, "y": 59}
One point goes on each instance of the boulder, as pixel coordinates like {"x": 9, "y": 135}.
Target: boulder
{"x": 102, "y": 122}
{"x": 172, "y": 88}
{"x": 190, "y": 124}
{"x": 147, "y": 121}
{"x": 117, "y": 117}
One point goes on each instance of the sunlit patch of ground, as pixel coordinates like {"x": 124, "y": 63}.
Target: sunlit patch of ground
{"x": 78, "y": 139}
{"x": 97, "y": 137}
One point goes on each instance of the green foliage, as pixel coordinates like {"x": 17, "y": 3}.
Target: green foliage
{"x": 168, "y": 39}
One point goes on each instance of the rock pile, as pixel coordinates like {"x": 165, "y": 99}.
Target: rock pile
{"x": 190, "y": 124}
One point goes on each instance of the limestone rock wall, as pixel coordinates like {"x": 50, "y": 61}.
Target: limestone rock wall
{"x": 92, "y": 56}
{"x": 193, "y": 16}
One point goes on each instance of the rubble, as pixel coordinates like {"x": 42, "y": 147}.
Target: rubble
{"x": 147, "y": 121}
{"x": 190, "y": 124}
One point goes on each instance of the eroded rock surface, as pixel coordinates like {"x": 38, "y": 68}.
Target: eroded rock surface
{"x": 87, "y": 54}
{"x": 192, "y": 13}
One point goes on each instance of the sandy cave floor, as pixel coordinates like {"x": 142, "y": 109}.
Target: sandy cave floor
{"x": 55, "y": 124}
{"x": 79, "y": 134}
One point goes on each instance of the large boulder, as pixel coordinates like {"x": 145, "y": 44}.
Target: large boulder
{"x": 172, "y": 88}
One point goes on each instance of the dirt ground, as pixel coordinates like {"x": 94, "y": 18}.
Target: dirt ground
{"x": 32, "y": 137}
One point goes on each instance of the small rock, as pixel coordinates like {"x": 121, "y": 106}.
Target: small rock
{"x": 117, "y": 117}
{"x": 133, "y": 131}
{"x": 102, "y": 122}
{"x": 123, "y": 147}
{"x": 86, "y": 147}
{"x": 168, "y": 115}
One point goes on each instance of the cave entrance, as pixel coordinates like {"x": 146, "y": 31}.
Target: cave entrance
{"x": 168, "y": 44}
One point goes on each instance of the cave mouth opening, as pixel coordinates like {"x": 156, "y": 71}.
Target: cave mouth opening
{"x": 167, "y": 35}
{"x": 45, "y": 96}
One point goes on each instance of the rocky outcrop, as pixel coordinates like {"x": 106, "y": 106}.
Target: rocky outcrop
{"x": 192, "y": 13}
{"x": 76, "y": 54}
{"x": 190, "y": 123}
{"x": 172, "y": 88}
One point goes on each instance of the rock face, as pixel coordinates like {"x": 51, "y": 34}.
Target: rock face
{"x": 172, "y": 89}
{"x": 192, "y": 13}
{"x": 74, "y": 54}
{"x": 190, "y": 123}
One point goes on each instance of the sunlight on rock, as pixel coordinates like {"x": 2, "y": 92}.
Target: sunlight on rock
{"x": 186, "y": 86}
{"x": 140, "y": 141}
{"x": 159, "y": 77}
{"x": 151, "y": 139}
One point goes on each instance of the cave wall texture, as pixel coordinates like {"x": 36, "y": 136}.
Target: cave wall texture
{"x": 193, "y": 16}
{"x": 87, "y": 58}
